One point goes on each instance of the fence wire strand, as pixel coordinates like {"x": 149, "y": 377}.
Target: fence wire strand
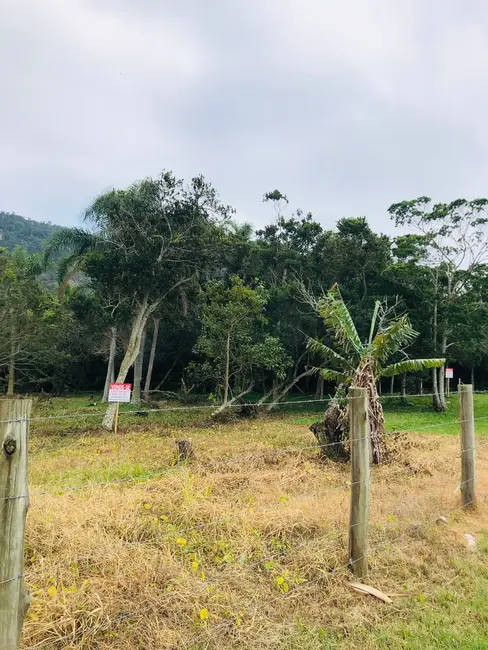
{"x": 215, "y": 407}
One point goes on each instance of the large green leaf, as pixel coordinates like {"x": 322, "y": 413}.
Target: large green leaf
{"x": 411, "y": 365}
{"x": 327, "y": 354}
{"x": 338, "y": 319}
{"x": 395, "y": 336}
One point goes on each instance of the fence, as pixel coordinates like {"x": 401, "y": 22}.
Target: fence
{"x": 14, "y": 498}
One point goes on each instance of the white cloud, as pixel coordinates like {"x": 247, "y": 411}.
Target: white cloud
{"x": 346, "y": 106}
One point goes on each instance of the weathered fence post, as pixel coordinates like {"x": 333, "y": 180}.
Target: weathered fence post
{"x": 14, "y": 501}
{"x": 360, "y": 480}
{"x": 468, "y": 444}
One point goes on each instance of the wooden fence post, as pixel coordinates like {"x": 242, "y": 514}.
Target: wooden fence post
{"x": 14, "y": 501}
{"x": 468, "y": 444}
{"x": 360, "y": 480}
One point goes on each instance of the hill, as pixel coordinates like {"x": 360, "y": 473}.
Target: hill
{"x": 20, "y": 231}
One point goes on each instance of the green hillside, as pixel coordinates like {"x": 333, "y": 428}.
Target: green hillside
{"x": 19, "y": 231}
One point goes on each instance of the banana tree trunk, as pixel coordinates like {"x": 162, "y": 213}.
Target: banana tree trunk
{"x": 152, "y": 356}
{"x": 111, "y": 363}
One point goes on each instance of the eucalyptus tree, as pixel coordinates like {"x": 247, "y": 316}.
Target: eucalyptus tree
{"x": 453, "y": 240}
{"x": 159, "y": 233}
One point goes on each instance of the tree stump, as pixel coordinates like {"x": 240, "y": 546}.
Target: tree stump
{"x": 184, "y": 450}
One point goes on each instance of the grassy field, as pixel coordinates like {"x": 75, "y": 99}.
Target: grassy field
{"x": 246, "y": 546}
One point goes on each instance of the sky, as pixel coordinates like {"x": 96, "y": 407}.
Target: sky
{"x": 344, "y": 106}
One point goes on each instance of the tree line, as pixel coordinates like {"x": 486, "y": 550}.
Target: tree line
{"x": 163, "y": 288}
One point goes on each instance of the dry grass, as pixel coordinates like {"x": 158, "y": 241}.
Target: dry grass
{"x": 258, "y": 544}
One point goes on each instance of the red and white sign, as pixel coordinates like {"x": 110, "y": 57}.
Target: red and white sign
{"x": 449, "y": 373}
{"x": 119, "y": 392}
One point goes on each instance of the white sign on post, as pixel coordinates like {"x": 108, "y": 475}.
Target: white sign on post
{"x": 449, "y": 373}
{"x": 119, "y": 392}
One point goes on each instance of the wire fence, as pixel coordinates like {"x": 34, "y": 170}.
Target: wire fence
{"x": 73, "y": 415}
{"x": 52, "y": 638}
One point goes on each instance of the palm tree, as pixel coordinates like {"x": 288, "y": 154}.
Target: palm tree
{"x": 359, "y": 364}
{"x": 74, "y": 245}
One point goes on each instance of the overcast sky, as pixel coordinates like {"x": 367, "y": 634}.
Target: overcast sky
{"x": 346, "y": 106}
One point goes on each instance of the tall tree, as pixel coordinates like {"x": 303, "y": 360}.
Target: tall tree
{"x": 455, "y": 244}
{"x": 20, "y": 298}
{"x": 157, "y": 234}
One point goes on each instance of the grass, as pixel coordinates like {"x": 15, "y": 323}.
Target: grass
{"x": 246, "y": 546}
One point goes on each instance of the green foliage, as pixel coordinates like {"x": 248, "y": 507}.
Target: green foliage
{"x": 27, "y": 233}
{"x": 388, "y": 336}
{"x": 234, "y": 339}
{"x": 168, "y": 248}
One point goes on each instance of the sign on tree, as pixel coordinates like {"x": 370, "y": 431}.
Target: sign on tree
{"x": 119, "y": 392}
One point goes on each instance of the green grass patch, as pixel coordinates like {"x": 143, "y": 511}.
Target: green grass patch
{"x": 419, "y": 416}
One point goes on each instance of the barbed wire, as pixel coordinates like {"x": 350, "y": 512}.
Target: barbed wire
{"x": 293, "y": 501}
{"x": 235, "y": 459}
{"x": 215, "y": 407}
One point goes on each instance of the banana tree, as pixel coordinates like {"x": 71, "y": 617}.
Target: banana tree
{"x": 361, "y": 364}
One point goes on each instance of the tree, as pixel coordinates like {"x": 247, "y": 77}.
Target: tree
{"x": 157, "y": 234}
{"x": 453, "y": 244}
{"x": 20, "y": 295}
{"x": 470, "y": 325}
{"x": 82, "y": 249}
{"x": 358, "y": 364}
{"x": 234, "y": 341}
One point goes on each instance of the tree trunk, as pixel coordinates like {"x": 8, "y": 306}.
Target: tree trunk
{"x": 276, "y": 388}
{"x": 392, "y": 384}
{"x": 279, "y": 394}
{"x": 111, "y": 363}
{"x": 138, "y": 366}
{"x": 435, "y": 391}
{"x": 442, "y": 375}
{"x": 184, "y": 451}
{"x": 184, "y": 301}
{"x": 319, "y": 391}
{"x": 144, "y": 311}
{"x": 152, "y": 356}
{"x": 227, "y": 369}
{"x": 403, "y": 391}
{"x": 11, "y": 376}
{"x": 11, "y": 364}
{"x": 421, "y": 391}
{"x": 163, "y": 380}
{"x": 472, "y": 377}
{"x": 231, "y": 401}
{"x": 436, "y": 400}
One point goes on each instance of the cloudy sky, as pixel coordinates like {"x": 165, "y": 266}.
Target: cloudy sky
{"x": 345, "y": 106}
